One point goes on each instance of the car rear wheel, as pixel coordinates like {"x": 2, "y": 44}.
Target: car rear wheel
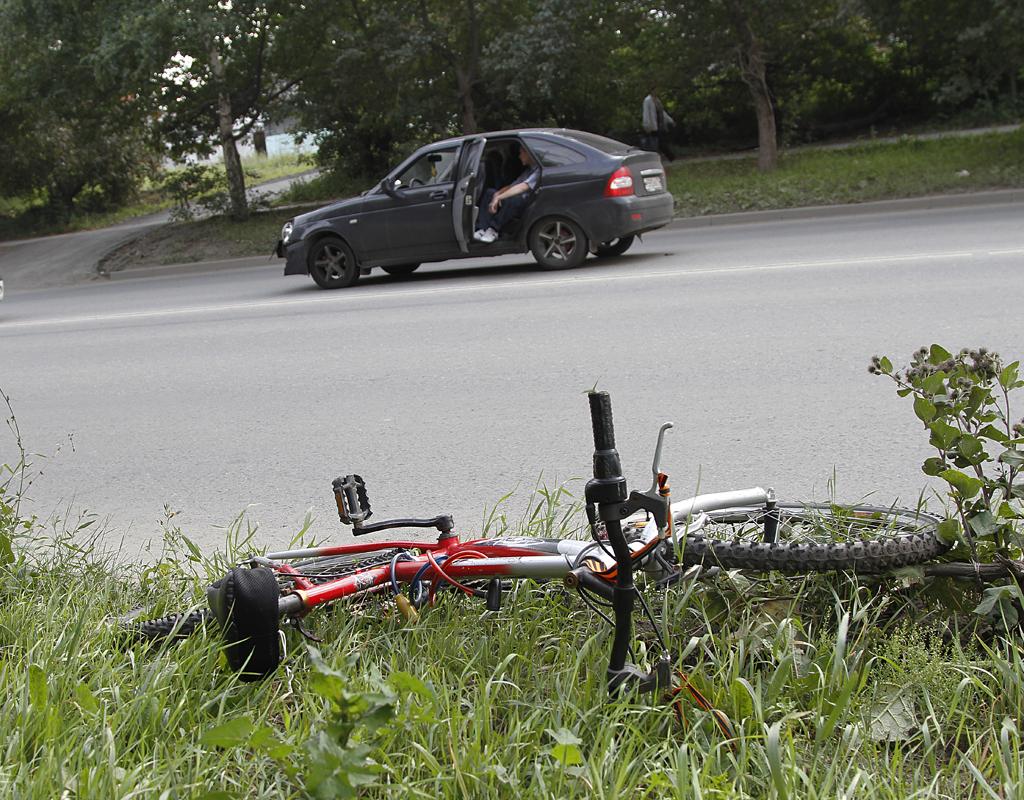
{"x": 401, "y": 269}
{"x": 332, "y": 264}
{"x": 615, "y": 247}
{"x": 558, "y": 243}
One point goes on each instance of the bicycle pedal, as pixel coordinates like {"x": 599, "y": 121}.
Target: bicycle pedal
{"x": 352, "y": 500}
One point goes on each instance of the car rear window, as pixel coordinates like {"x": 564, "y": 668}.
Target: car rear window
{"x": 552, "y": 154}
{"x": 602, "y": 143}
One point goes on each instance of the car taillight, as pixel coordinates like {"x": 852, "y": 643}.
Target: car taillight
{"x": 620, "y": 183}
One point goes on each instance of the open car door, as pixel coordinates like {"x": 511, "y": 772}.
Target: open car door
{"x": 467, "y": 182}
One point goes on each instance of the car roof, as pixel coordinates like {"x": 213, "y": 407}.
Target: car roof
{"x": 564, "y": 132}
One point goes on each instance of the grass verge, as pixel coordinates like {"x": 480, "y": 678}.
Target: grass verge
{"x": 858, "y": 174}
{"x": 837, "y": 688}
{"x": 210, "y": 239}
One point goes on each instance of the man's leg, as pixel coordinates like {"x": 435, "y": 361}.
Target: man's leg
{"x": 663, "y": 144}
{"x": 485, "y": 219}
{"x": 510, "y": 210}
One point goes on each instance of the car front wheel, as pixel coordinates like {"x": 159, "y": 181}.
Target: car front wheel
{"x": 332, "y": 264}
{"x": 615, "y": 247}
{"x": 558, "y": 243}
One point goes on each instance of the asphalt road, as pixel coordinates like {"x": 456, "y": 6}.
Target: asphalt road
{"x": 70, "y": 259}
{"x": 243, "y": 390}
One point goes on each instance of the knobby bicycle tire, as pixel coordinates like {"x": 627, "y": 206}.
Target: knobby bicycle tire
{"x": 183, "y": 624}
{"x": 835, "y": 540}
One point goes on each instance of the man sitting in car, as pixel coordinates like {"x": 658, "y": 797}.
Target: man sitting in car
{"x": 498, "y": 207}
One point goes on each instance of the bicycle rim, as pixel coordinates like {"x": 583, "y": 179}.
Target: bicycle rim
{"x": 815, "y": 538}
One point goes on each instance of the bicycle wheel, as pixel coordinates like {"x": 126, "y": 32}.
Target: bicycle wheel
{"x": 174, "y": 626}
{"x": 815, "y": 538}
{"x": 183, "y": 624}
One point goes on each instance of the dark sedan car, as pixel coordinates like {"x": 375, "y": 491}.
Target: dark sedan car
{"x": 593, "y": 195}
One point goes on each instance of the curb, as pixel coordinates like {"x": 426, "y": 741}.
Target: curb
{"x": 965, "y": 200}
{"x": 187, "y": 267}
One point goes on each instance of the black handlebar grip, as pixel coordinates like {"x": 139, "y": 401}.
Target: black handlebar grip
{"x": 601, "y": 419}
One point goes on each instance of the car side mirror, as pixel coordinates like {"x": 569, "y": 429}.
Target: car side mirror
{"x": 388, "y": 186}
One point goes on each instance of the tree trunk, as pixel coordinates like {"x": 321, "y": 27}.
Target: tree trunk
{"x": 259, "y": 141}
{"x": 752, "y": 70}
{"x": 225, "y": 124}
{"x": 465, "y": 83}
{"x": 465, "y": 76}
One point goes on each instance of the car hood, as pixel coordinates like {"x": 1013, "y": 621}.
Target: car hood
{"x": 348, "y": 205}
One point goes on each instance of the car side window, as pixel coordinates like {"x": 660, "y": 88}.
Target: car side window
{"x": 429, "y": 169}
{"x": 552, "y": 154}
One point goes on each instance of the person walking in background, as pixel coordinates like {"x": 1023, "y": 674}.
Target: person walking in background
{"x": 656, "y": 123}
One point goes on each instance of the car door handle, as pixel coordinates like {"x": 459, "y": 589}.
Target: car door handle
{"x": 438, "y": 195}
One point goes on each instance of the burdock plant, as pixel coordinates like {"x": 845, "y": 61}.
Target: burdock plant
{"x": 963, "y": 400}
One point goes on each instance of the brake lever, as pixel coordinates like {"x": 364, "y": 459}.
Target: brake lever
{"x": 656, "y": 466}
{"x": 652, "y": 501}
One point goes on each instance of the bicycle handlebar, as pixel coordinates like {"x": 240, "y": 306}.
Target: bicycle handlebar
{"x": 601, "y": 419}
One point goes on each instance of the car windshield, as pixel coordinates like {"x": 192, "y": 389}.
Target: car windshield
{"x": 602, "y": 143}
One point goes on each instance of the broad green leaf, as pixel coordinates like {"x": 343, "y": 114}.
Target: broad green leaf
{"x": 978, "y": 396}
{"x": 885, "y": 364}
{"x": 264, "y": 739}
{"x": 743, "y": 703}
{"x": 407, "y": 682}
{"x": 566, "y": 748}
{"x": 935, "y": 383}
{"x": 925, "y": 409}
{"x": 903, "y": 392}
{"x": 994, "y": 595}
{"x": 949, "y": 531}
{"x": 965, "y": 485}
{"x": 1014, "y": 458}
{"x": 1008, "y": 375}
{"x": 232, "y": 733}
{"x": 993, "y": 433}
{"x": 1006, "y": 511}
{"x": 984, "y": 524}
{"x": 938, "y": 354}
{"x": 86, "y": 699}
{"x": 970, "y": 447}
{"x": 943, "y": 434}
{"x": 892, "y": 716}
{"x": 933, "y": 466}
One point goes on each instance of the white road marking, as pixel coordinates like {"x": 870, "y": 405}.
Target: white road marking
{"x": 542, "y": 281}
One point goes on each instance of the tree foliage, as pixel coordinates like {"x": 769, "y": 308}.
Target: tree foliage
{"x": 93, "y": 92}
{"x": 73, "y": 105}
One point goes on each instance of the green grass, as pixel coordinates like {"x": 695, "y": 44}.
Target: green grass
{"x": 472, "y": 704}
{"x": 210, "y": 239}
{"x": 862, "y": 173}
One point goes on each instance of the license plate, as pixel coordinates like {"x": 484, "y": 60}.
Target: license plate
{"x": 652, "y": 184}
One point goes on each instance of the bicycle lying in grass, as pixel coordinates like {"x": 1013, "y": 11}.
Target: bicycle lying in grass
{"x": 632, "y": 533}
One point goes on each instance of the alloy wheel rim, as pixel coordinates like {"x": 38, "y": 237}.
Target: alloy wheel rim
{"x": 331, "y": 263}
{"x": 559, "y": 241}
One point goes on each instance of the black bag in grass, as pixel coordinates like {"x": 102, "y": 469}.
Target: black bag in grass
{"x": 245, "y": 603}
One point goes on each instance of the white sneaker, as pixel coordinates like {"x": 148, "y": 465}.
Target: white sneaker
{"x": 479, "y": 236}
{"x": 489, "y": 236}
